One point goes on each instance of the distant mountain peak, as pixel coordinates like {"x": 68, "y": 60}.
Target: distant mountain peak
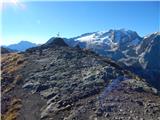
{"x": 21, "y": 46}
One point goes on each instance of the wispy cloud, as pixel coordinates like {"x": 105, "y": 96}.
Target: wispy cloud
{"x": 14, "y": 3}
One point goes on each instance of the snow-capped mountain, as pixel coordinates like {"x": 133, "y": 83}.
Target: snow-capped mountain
{"x": 111, "y": 38}
{"x": 116, "y": 44}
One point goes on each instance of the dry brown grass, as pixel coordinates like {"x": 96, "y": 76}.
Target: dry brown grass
{"x": 11, "y": 63}
{"x": 18, "y": 79}
{"x": 7, "y": 89}
{"x": 13, "y": 109}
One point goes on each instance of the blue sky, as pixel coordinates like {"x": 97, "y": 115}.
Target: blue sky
{"x": 38, "y": 21}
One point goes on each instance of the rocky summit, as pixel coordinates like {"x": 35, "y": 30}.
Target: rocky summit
{"x": 57, "y": 82}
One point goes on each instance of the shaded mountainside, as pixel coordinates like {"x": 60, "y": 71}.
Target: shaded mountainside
{"x": 150, "y": 52}
{"x": 57, "y": 82}
{"x": 6, "y": 50}
{"x": 147, "y": 64}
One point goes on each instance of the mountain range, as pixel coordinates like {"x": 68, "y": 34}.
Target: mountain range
{"x": 73, "y": 79}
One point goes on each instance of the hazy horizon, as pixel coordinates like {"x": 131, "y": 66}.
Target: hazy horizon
{"x": 38, "y": 21}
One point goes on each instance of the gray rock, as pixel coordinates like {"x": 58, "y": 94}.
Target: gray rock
{"x": 107, "y": 115}
{"x": 99, "y": 112}
{"x": 49, "y": 93}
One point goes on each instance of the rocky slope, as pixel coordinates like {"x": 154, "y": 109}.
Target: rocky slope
{"x": 57, "y": 82}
